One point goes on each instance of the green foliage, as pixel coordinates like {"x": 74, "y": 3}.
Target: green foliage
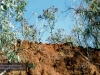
{"x": 88, "y": 24}
{"x": 50, "y": 16}
{"x": 10, "y": 10}
{"x": 32, "y": 65}
{"x": 56, "y": 37}
{"x": 59, "y": 37}
{"x": 28, "y": 32}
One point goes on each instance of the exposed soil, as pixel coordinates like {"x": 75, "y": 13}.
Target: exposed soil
{"x": 58, "y": 59}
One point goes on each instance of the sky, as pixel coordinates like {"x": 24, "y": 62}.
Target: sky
{"x": 63, "y": 21}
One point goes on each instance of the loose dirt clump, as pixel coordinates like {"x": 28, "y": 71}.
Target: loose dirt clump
{"x": 58, "y": 59}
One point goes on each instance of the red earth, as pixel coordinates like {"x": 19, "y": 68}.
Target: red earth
{"x": 58, "y": 59}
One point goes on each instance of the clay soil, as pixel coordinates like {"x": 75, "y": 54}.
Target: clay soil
{"x": 58, "y": 59}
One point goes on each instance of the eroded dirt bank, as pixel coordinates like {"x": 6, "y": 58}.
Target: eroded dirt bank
{"x": 58, "y": 59}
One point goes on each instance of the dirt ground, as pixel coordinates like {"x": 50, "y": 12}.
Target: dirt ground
{"x": 58, "y": 59}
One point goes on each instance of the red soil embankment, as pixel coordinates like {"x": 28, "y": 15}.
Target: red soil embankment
{"x": 58, "y": 59}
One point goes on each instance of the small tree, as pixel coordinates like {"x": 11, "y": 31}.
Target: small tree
{"x": 28, "y": 31}
{"x": 50, "y": 16}
{"x": 58, "y": 36}
{"x": 10, "y": 11}
{"x": 87, "y": 23}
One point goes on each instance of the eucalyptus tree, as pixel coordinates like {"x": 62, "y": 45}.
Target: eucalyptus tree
{"x": 58, "y": 36}
{"x": 11, "y": 11}
{"x": 28, "y": 31}
{"x": 92, "y": 17}
{"x": 87, "y": 18}
{"x": 49, "y": 15}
